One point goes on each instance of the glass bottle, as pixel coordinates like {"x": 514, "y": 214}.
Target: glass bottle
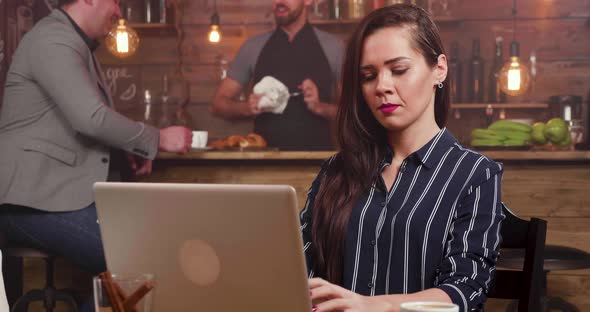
{"x": 180, "y": 98}
{"x": 182, "y": 116}
{"x": 391, "y": 2}
{"x": 495, "y": 94}
{"x": 321, "y": 9}
{"x": 164, "y": 120}
{"x": 335, "y": 10}
{"x": 152, "y": 11}
{"x": 356, "y": 9}
{"x": 150, "y": 111}
{"x": 475, "y": 76}
{"x": 533, "y": 72}
{"x": 456, "y": 70}
{"x": 134, "y": 11}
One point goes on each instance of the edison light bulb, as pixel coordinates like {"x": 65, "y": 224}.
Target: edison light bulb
{"x": 514, "y": 76}
{"x": 122, "y": 41}
{"x": 214, "y": 34}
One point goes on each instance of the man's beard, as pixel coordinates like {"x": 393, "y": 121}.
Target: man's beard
{"x": 291, "y": 17}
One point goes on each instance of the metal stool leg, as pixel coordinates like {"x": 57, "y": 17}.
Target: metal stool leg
{"x": 12, "y": 269}
{"x": 22, "y": 304}
{"x": 67, "y": 298}
{"x": 49, "y": 299}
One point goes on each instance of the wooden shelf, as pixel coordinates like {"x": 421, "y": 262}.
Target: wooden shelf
{"x": 151, "y": 25}
{"x": 348, "y": 21}
{"x": 499, "y": 105}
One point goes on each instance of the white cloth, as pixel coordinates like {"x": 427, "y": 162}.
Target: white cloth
{"x": 275, "y": 95}
{"x": 3, "y": 301}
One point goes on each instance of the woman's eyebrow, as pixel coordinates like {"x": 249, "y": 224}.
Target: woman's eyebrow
{"x": 388, "y": 62}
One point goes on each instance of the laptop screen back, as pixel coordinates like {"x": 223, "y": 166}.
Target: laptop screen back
{"x": 211, "y": 247}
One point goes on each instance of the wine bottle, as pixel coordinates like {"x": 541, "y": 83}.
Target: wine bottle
{"x": 456, "y": 69}
{"x": 495, "y": 94}
{"x": 152, "y": 11}
{"x": 475, "y": 77}
{"x": 334, "y": 8}
{"x": 356, "y": 9}
{"x": 164, "y": 120}
{"x": 150, "y": 109}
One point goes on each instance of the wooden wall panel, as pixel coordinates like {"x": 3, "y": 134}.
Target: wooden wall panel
{"x": 557, "y": 32}
{"x": 526, "y": 8}
{"x": 3, "y": 52}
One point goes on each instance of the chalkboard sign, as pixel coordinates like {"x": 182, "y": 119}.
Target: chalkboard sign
{"x": 124, "y": 82}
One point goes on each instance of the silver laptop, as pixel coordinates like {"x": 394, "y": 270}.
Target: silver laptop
{"x": 211, "y": 247}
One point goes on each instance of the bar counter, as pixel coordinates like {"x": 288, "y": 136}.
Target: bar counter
{"x": 553, "y": 185}
{"x": 307, "y": 155}
{"x": 535, "y": 183}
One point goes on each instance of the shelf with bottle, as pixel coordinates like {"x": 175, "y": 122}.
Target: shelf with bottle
{"x": 149, "y": 15}
{"x": 499, "y": 105}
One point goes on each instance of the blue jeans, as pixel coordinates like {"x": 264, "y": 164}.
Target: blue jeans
{"x": 74, "y": 235}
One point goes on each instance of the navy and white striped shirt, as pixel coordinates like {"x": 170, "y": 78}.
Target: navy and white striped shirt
{"x": 438, "y": 226}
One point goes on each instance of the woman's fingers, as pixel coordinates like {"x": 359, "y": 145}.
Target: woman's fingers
{"x": 340, "y": 304}
{"x": 316, "y": 281}
{"x": 325, "y": 292}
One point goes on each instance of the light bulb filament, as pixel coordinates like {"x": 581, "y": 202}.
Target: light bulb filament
{"x": 514, "y": 77}
{"x": 214, "y": 34}
{"x": 122, "y": 42}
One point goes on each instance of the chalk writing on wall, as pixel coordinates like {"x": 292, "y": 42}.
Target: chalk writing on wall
{"x": 124, "y": 83}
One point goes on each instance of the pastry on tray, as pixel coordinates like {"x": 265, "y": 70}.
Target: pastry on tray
{"x": 238, "y": 141}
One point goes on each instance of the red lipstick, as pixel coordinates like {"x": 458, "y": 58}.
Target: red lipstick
{"x": 388, "y": 108}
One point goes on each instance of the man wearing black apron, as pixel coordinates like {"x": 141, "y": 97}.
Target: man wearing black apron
{"x": 304, "y": 59}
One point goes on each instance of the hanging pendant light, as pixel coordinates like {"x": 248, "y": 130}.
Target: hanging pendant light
{"x": 514, "y": 76}
{"x": 214, "y": 32}
{"x": 122, "y": 41}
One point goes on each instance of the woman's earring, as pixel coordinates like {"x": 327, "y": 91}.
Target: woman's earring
{"x": 440, "y": 85}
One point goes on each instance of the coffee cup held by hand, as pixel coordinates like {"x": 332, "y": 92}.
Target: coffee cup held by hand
{"x": 199, "y": 139}
{"x": 428, "y": 307}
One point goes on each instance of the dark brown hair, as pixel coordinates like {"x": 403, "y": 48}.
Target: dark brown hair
{"x": 361, "y": 137}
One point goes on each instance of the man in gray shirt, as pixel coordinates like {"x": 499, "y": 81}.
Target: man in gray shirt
{"x": 303, "y": 58}
{"x": 57, "y": 131}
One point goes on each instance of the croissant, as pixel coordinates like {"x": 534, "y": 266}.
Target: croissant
{"x": 251, "y": 140}
{"x": 255, "y": 140}
{"x": 234, "y": 140}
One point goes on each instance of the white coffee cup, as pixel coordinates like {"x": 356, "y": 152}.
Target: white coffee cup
{"x": 428, "y": 307}
{"x": 199, "y": 139}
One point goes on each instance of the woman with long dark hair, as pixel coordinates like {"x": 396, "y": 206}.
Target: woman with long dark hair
{"x": 403, "y": 212}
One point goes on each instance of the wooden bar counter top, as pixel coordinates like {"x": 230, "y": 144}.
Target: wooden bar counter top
{"x": 309, "y": 155}
{"x": 553, "y": 185}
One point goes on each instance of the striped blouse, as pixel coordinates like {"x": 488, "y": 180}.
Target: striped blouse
{"x": 438, "y": 226}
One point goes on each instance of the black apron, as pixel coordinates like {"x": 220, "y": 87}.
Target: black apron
{"x": 292, "y": 62}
